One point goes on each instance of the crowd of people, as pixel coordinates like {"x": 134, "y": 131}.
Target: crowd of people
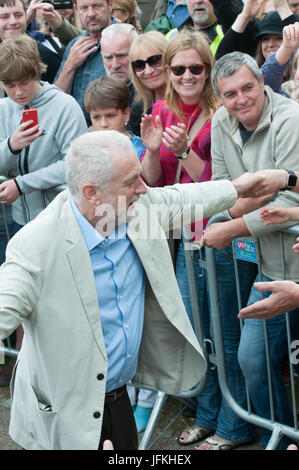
{"x": 145, "y": 108}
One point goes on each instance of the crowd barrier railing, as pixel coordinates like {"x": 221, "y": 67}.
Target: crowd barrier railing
{"x": 278, "y": 430}
{"x": 217, "y": 355}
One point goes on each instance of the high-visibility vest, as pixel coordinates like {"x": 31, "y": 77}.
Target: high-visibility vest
{"x": 214, "y": 44}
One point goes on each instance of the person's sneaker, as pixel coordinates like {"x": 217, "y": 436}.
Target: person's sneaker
{"x": 142, "y": 416}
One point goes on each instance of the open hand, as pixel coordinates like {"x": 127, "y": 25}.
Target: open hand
{"x": 252, "y": 7}
{"x": 79, "y": 51}
{"x": 151, "y": 133}
{"x": 274, "y": 215}
{"x": 284, "y": 298}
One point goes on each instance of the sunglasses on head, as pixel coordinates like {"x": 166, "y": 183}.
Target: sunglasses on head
{"x": 152, "y": 61}
{"x": 181, "y": 69}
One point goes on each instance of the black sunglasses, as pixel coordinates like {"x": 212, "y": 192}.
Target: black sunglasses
{"x": 179, "y": 70}
{"x": 152, "y": 61}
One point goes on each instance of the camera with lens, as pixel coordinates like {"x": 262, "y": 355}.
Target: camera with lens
{"x": 60, "y": 4}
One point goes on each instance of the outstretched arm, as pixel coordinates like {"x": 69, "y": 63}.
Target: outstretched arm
{"x": 241, "y": 35}
{"x": 284, "y": 298}
{"x": 278, "y": 215}
{"x": 274, "y": 180}
{"x": 226, "y": 12}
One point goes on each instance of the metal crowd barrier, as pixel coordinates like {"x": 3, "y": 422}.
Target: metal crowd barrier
{"x": 217, "y": 356}
{"x": 278, "y": 430}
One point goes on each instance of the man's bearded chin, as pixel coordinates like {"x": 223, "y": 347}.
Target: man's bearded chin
{"x": 200, "y": 17}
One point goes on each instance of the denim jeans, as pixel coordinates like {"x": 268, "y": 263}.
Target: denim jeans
{"x": 212, "y": 410}
{"x": 252, "y": 359}
{"x": 12, "y": 226}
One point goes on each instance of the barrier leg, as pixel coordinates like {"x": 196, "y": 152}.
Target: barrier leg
{"x": 9, "y": 351}
{"x": 275, "y": 438}
{"x": 147, "y": 435}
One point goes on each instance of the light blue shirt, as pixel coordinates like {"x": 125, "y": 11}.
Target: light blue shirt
{"x": 138, "y": 144}
{"x": 177, "y": 13}
{"x": 119, "y": 279}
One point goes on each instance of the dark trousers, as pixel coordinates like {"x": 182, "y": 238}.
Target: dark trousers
{"x": 119, "y": 425}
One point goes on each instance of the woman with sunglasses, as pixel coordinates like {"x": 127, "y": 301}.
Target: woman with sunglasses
{"x": 187, "y": 62}
{"x": 178, "y": 138}
{"x": 147, "y": 74}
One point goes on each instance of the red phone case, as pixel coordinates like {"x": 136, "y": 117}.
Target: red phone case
{"x": 30, "y": 115}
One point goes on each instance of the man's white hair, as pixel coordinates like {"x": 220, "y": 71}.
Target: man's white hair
{"x": 114, "y": 29}
{"x": 89, "y": 160}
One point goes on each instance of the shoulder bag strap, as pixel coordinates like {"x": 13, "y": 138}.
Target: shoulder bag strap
{"x": 197, "y": 125}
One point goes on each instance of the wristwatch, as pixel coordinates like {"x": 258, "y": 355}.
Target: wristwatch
{"x": 291, "y": 180}
{"x": 184, "y": 155}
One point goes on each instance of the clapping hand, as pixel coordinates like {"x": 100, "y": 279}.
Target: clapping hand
{"x": 151, "y": 133}
{"x": 175, "y": 138}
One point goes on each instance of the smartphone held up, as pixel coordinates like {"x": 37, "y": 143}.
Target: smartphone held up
{"x": 30, "y": 115}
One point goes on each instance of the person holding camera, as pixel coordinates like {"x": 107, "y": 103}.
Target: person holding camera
{"x": 13, "y": 23}
{"x": 60, "y": 15}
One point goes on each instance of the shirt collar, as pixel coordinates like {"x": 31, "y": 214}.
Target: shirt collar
{"x": 91, "y": 236}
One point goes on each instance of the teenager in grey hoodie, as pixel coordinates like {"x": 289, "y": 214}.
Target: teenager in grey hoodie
{"x": 32, "y": 159}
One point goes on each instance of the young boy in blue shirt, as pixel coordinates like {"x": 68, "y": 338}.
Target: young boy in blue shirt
{"x": 107, "y": 101}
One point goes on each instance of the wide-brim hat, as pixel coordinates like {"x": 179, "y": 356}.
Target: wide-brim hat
{"x": 270, "y": 24}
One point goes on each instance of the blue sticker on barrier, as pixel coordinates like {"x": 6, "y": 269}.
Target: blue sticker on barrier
{"x": 245, "y": 250}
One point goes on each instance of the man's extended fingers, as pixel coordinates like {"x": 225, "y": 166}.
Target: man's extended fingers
{"x": 264, "y": 286}
{"x": 255, "y": 311}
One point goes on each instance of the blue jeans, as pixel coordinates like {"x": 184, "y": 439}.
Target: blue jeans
{"x": 252, "y": 359}
{"x": 212, "y": 410}
{"x": 12, "y": 226}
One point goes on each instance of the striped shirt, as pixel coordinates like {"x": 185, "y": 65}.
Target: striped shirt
{"x": 201, "y": 145}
